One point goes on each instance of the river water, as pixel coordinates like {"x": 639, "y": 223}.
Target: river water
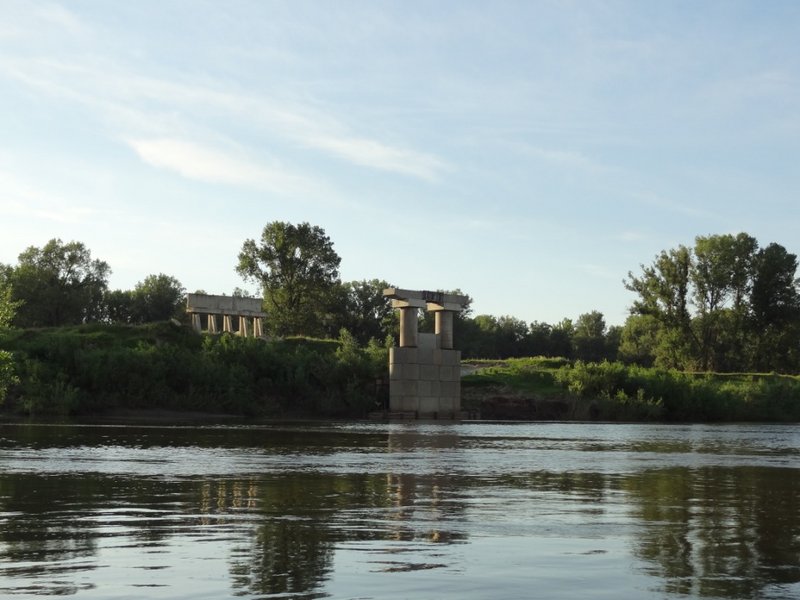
{"x": 467, "y": 511}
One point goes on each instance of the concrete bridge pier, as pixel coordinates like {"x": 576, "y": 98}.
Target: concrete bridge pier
{"x": 425, "y": 370}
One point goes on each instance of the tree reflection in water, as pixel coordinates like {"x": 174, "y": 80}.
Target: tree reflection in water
{"x": 729, "y": 532}
{"x": 706, "y": 531}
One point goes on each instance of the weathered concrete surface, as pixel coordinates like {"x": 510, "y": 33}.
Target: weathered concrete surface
{"x": 247, "y": 309}
{"x": 224, "y": 305}
{"x": 425, "y": 371}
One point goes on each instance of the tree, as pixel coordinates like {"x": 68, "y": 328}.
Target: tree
{"x": 725, "y": 305}
{"x": 58, "y": 284}
{"x": 775, "y": 311}
{"x": 296, "y": 268}
{"x": 720, "y": 276}
{"x": 8, "y": 306}
{"x": 157, "y": 298}
{"x": 366, "y": 313}
{"x": 589, "y": 337}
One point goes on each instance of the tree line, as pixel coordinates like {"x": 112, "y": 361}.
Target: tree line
{"x": 725, "y": 304}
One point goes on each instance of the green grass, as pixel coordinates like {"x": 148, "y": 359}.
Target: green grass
{"x": 614, "y": 391}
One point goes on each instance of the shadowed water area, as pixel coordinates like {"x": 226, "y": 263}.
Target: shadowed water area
{"x": 400, "y": 511}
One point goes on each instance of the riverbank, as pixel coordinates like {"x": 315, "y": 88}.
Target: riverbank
{"x": 167, "y": 372}
{"x": 97, "y": 369}
{"x": 557, "y": 389}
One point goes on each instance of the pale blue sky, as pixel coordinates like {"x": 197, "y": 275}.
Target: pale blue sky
{"x": 530, "y": 153}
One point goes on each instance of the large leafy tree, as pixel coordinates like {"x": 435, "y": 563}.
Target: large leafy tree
{"x": 157, "y": 298}
{"x": 8, "y": 306}
{"x": 723, "y": 305}
{"x": 589, "y": 337}
{"x": 365, "y": 313}
{"x": 58, "y": 284}
{"x": 297, "y": 269}
{"x": 775, "y": 310}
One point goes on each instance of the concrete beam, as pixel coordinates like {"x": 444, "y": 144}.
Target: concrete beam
{"x": 426, "y": 295}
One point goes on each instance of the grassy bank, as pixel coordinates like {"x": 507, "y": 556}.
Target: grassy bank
{"x": 97, "y": 368}
{"x": 540, "y": 388}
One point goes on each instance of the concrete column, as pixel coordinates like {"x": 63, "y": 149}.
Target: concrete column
{"x": 408, "y": 327}
{"x": 444, "y": 328}
{"x": 258, "y": 330}
{"x": 196, "y": 325}
{"x": 244, "y": 327}
{"x": 212, "y": 323}
{"x": 227, "y": 325}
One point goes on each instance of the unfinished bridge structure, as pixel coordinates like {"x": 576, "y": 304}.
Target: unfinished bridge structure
{"x": 425, "y": 370}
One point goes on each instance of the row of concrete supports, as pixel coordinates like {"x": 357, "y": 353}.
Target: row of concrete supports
{"x": 248, "y": 326}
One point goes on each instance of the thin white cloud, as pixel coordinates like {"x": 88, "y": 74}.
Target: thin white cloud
{"x": 139, "y": 104}
{"x": 568, "y": 159}
{"x": 63, "y": 19}
{"x": 211, "y": 165}
{"x": 370, "y": 153}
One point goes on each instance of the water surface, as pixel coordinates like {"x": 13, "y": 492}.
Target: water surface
{"x": 463, "y": 511}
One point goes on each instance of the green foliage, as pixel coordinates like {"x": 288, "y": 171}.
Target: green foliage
{"x": 359, "y": 307}
{"x": 7, "y": 375}
{"x": 58, "y": 284}
{"x": 8, "y": 306}
{"x": 96, "y": 367}
{"x": 633, "y": 392}
{"x": 297, "y": 269}
{"x": 156, "y": 298}
{"x": 745, "y": 308}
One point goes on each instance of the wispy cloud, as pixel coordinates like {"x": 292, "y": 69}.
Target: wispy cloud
{"x": 568, "y": 159}
{"x": 371, "y": 153}
{"x": 212, "y": 165}
{"x": 139, "y": 104}
{"x": 60, "y": 17}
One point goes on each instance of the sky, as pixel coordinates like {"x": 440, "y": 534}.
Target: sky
{"x": 528, "y": 153}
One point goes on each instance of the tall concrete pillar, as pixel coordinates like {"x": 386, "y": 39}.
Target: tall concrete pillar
{"x": 258, "y": 329}
{"x": 244, "y": 327}
{"x": 408, "y": 327}
{"x": 444, "y": 328}
{"x": 212, "y": 323}
{"x": 196, "y": 325}
{"x": 227, "y": 325}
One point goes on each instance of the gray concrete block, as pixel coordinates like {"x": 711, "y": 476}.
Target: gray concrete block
{"x": 438, "y": 357}
{"x": 424, "y": 388}
{"x": 429, "y": 372}
{"x": 409, "y": 387}
{"x": 403, "y": 355}
{"x": 425, "y": 356}
{"x": 428, "y": 405}
{"x": 395, "y": 371}
{"x": 410, "y": 404}
{"x": 411, "y": 371}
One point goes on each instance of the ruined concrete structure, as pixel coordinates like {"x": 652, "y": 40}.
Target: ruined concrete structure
{"x": 425, "y": 371}
{"x": 248, "y": 310}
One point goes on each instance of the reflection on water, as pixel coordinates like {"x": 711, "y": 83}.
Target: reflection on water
{"x": 412, "y": 510}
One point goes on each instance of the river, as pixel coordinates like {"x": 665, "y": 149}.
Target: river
{"x": 341, "y": 510}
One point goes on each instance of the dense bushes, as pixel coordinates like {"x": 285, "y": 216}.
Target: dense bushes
{"x": 98, "y": 367}
{"x": 621, "y": 392}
